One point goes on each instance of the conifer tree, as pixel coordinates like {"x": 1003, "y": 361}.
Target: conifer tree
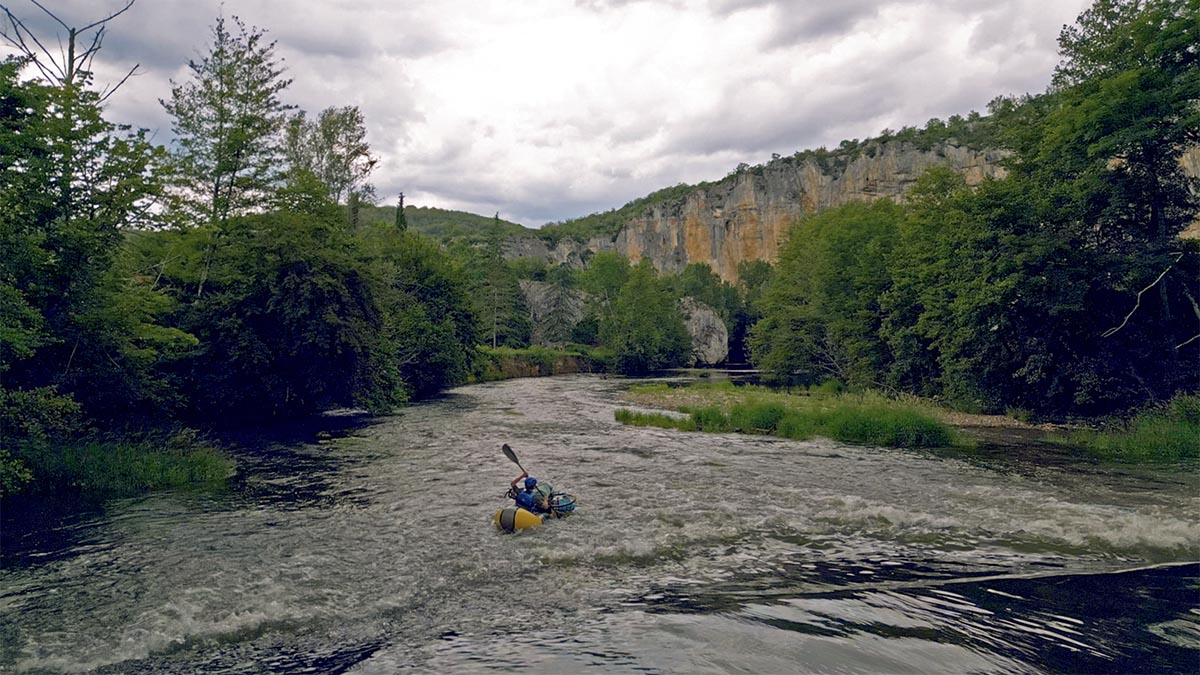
{"x": 227, "y": 119}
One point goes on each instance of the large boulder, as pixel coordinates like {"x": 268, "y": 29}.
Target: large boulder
{"x": 710, "y": 338}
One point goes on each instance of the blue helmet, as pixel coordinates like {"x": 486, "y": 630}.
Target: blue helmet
{"x": 530, "y": 482}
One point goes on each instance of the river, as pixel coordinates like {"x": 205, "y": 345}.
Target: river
{"x": 371, "y": 550}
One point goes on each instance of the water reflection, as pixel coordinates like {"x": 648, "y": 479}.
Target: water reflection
{"x": 1060, "y": 622}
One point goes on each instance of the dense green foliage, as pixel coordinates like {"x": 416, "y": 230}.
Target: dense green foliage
{"x": 252, "y": 296}
{"x": 504, "y": 363}
{"x": 822, "y": 315}
{"x": 643, "y": 327}
{"x": 1062, "y": 288}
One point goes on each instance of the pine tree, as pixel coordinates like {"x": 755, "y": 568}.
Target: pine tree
{"x": 227, "y": 119}
{"x": 401, "y": 219}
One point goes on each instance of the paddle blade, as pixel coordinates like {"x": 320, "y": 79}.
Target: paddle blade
{"x": 508, "y": 452}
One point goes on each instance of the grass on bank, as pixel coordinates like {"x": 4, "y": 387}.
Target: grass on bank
{"x": 1167, "y": 433}
{"x": 855, "y": 418}
{"x": 119, "y": 467}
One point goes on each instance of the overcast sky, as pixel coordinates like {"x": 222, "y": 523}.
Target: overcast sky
{"x": 544, "y": 110}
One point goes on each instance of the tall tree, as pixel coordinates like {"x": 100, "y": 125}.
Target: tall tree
{"x": 70, "y": 181}
{"x": 227, "y": 120}
{"x": 821, "y": 311}
{"x": 1098, "y": 161}
{"x": 644, "y": 328}
{"x": 401, "y": 218}
{"x": 333, "y": 148}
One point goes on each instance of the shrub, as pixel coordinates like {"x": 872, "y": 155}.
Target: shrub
{"x": 128, "y": 467}
{"x": 869, "y": 418}
{"x": 710, "y": 419}
{"x": 636, "y": 419}
{"x": 1167, "y": 433}
{"x": 756, "y": 417}
{"x": 893, "y": 427}
{"x": 828, "y": 388}
{"x": 798, "y": 425}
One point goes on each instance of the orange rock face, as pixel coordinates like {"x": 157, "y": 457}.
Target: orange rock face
{"x": 746, "y": 216}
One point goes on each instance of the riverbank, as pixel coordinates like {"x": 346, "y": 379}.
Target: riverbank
{"x": 1166, "y": 433}
{"x": 857, "y": 418}
{"x": 505, "y": 363}
{"x": 114, "y": 467}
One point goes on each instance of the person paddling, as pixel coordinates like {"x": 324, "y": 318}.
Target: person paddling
{"x": 534, "y": 496}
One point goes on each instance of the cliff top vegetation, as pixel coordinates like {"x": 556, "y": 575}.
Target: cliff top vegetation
{"x": 973, "y": 131}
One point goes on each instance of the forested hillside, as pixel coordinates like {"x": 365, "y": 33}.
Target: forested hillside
{"x": 444, "y": 224}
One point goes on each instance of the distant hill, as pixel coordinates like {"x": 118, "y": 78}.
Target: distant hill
{"x": 445, "y": 224}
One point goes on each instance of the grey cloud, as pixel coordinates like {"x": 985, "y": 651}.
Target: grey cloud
{"x": 796, "y": 118}
{"x": 802, "y": 22}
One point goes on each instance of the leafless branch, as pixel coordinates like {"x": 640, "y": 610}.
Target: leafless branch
{"x": 110, "y": 17}
{"x": 110, "y": 91}
{"x": 1112, "y": 331}
{"x": 50, "y": 14}
{"x": 65, "y": 67}
{"x": 21, "y": 33}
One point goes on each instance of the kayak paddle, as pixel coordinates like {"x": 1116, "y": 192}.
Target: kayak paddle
{"x": 512, "y": 456}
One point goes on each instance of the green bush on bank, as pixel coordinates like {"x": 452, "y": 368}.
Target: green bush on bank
{"x": 125, "y": 467}
{"x": 1165, "y": 434}
{"x": 47, "y": 447}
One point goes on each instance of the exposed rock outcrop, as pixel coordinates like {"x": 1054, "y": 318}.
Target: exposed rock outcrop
{"x": 570, "y": 252}
{"x": 745, "y": 216}
{"x": 710, "y": 338}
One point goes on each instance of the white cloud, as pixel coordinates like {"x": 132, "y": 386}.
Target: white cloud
{"x": 543, "y": 110}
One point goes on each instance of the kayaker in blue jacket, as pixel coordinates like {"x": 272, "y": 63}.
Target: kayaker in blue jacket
{"x": 533, "y": 497}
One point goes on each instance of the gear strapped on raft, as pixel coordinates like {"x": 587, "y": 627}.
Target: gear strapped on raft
{"x": 534, "y": 501}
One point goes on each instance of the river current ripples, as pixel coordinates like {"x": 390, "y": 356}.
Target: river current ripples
{"x": 371, "y": 550}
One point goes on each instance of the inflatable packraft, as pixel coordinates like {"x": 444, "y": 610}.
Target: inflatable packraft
{"x": 515, "y": 518}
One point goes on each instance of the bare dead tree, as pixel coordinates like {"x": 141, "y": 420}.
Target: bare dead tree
{"x": 1112, "y": 331}
{"x": 71, "y": 64}
{"x": 1196, "y": 309}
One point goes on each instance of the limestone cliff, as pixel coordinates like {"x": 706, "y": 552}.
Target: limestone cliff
{"x": 745, "y": 216}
